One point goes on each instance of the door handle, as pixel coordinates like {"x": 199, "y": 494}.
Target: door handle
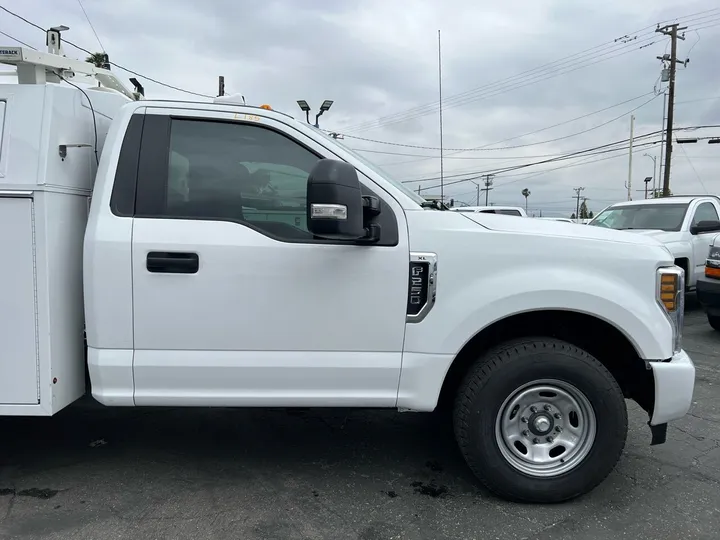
{"x": 171, "y": 262}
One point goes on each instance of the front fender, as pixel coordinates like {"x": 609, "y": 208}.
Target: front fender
{"x": 461, "y": 312}
{"x": 680, "y": 250}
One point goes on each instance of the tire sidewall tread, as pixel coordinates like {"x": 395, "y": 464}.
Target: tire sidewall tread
{"x": 496, "y": 376}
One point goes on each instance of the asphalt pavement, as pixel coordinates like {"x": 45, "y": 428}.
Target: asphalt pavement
{"x": 99, "y": 473}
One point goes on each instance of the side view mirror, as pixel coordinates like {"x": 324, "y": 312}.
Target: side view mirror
{"x": 700, "y": 227}
{"x": 334, "y": 201}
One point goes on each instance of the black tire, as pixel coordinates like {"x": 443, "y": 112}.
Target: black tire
{"x": 714, "y": 321}
{"x": 496, "y": 376}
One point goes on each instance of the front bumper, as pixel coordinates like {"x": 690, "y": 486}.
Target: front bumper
{"x": 708, "y": 294}
{"x": 674, "y": 386}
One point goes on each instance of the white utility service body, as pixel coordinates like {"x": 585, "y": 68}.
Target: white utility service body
{"x": 671, "y": 221}
{"x": 234, "y": 256}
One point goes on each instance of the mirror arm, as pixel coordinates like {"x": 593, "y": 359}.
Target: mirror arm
{"x": 371, "y": 206}
{"x": 372, "y": 234}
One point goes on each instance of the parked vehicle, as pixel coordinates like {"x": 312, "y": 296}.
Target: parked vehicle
{"x": 504, "y": 210}
{"x": 564, "y": 220}
{"x": 672, "y": 221}
{"x": 233, "y": 256}
{"x": 708, "y": 285}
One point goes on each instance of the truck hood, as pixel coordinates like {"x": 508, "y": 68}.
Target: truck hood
{"x": 662, "y": 236}
{"x": 543, "y": 227}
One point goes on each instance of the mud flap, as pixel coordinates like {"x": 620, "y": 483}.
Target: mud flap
{"x": 659, "y": 434}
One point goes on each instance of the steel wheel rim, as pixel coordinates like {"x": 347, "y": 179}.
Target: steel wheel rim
{"x": 545, "y": 428}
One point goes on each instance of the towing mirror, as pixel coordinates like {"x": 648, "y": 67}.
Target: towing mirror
{"x": 334, "y": 201}
{"x": 710, "y": 225}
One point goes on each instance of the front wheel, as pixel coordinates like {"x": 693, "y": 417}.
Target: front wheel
{"x": 540, "y": 420}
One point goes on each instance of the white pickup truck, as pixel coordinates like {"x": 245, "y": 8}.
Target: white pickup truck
{"x": 674, "y": 222}
{"x": 503, "y": 210}
{"x": 228, "y": 255}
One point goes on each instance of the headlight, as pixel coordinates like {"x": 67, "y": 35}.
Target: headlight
{"x": 712, "y": 263}
{"x": 671, "y": 296}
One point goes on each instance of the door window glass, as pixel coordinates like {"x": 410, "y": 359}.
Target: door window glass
{"x": 239, "y": 172}
{"x": 705, "y": 212}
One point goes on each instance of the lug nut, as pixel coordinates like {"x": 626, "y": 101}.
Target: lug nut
{"x": 536, "y": 441}
{"x": 525, "y": 433}
{"x": 524, "y": 420}
{"x": 558, "y": 429}
{"x": 549, "y": 439}
{"x": 533, "y": 409}
{"x": 557, "y": 416}
{"x": 547, "y": 408}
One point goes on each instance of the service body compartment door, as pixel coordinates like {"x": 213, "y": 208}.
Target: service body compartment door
{"x": 18, "y": 349}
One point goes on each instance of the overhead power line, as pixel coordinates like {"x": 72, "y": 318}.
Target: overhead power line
{"x": 91, "y": 25}
{"x": 508, "y": 87}
{"x": 22, "y": 18}
{"x": 523, "y": 177}
{"x": 485, "y": 147}
{"x": 16, "y": 39}
{"x": 583, "y": 157}
{"x": 604, "y": 149}
{"x": 146, "y": 77}
{"x": 451, "y": 157}
{"x": 638, "y": 40}
{"x": 696, "y": 100}
{"x": 623, "y": 45}
{"x": 510, "y": 138}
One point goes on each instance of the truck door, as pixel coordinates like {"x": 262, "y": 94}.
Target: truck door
{"x": 235, "y": 302}
{"x": 705, "y": 211}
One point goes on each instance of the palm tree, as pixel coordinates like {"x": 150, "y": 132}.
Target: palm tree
{"x": 526, "y": 194}
{"x": 99, "y": 59}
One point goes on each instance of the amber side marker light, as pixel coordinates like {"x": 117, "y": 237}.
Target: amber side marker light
{"x": 712, "y": 272}
{"x": 668, "y": 291}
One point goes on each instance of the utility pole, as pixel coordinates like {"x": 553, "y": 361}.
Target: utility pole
{"x": 672, "y": 31}
{"x": 629, "y": 183}
{"x": 221, "y": 86}
{"x": 577, "y": 191}
{"x": 477, "y": 195}
{"x": 442, "y": 161}
{"x": 488, "y": 182}
{"x": 662, "y": 146}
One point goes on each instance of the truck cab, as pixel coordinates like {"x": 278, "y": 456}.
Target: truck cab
{"x": 233, "y": 256}
{"x": 672, "y": 221}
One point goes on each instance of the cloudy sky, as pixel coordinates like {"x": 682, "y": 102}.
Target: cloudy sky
{"x": 511, "y": 71}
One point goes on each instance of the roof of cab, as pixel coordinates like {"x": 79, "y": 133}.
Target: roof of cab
{"x": 209, "y": 105}
{"x": 675, "y": 199}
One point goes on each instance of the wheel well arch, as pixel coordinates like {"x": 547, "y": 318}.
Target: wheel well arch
{"x": 683, "y": 262}
{"x": 597, "y": 337}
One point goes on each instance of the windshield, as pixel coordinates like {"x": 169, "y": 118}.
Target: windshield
{"x": 402, "y": 187}
{"x": 663, "y": 217}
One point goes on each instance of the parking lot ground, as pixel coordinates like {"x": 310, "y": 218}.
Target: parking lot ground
{"x": 99, "y": 473}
